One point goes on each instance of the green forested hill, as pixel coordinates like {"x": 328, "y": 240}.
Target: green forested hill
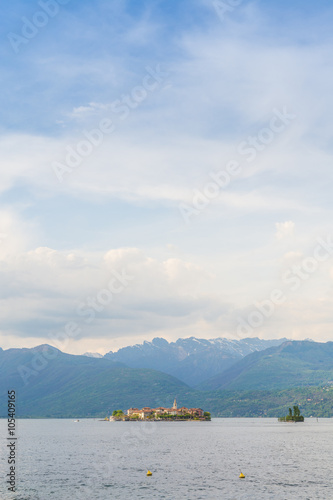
{"x": 292, "y": 364}
{"x": 69, "y": 385}
{"x": 313, "y": 401}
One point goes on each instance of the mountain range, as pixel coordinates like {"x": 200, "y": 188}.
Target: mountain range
{"x": 50, "y": 383}
{"x": 191, "y": 360}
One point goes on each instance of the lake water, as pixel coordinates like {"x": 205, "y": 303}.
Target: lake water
{"x": 61, "y": 459}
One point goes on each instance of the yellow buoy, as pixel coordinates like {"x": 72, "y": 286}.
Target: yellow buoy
{"x": 149, "y": 473}
{"x": 241, "y": 476}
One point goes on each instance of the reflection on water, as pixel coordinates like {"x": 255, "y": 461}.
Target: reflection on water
{"x": 91, "y": 459}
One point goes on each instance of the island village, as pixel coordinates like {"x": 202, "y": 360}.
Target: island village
{"x": 161, "y": 413}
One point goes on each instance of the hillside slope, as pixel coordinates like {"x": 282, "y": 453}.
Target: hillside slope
{"x": 51, "y": 383}
{"x": 292, "y": 364}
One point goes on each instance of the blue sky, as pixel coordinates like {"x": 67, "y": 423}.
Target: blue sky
{"x": 186, "y": 91}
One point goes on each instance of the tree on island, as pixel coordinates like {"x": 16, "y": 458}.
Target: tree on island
{"x": 118, "y": 414}
{"x": 293, "y": 417}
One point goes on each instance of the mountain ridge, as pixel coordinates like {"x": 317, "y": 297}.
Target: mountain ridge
{"x": 191, "y": 360}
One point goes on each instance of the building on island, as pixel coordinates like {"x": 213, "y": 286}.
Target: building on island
{"x": 133, "y": 411}
{"x": 161, "y": 413}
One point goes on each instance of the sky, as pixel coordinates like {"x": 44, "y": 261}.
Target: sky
{"x": 166, "y": 172}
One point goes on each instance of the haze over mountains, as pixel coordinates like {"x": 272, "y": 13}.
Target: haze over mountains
{"x": 264, "y": 382}
{"x": 191, "y": 360}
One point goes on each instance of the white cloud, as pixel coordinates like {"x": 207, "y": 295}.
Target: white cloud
{"x": 41, "y": 290}
{"x": 16, "y": 234}
{"x": 284, "y": 229}
{"x": 291, "y": 257}
{"x": 225, "y": 80}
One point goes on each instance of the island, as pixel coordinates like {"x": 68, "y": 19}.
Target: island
{"x": 161, "y": 414}
{"x": 293, "y": 417}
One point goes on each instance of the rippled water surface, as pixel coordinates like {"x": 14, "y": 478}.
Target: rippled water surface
{"x": 61, "y": 459}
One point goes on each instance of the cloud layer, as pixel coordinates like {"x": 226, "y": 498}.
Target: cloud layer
{"x": 124, "y": 114}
